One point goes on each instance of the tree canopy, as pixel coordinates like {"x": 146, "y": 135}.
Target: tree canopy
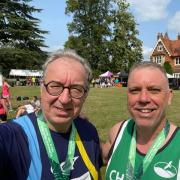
{"x": 168, "y": 68}
{"x": 104, "y": 32}
{"x": 21, "y": 39}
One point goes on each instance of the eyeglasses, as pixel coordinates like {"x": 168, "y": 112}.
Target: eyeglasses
{"x": 55, "y": 89}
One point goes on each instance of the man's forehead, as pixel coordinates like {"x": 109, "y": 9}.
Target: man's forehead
{"x": 147, "y": 70}
{"x": 147, "y": 75}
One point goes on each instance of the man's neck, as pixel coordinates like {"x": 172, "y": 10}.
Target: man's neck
{"x": 61, "y": 128}
{"x": 146, "y": 137}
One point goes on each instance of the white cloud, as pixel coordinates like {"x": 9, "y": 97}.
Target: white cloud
{"x": 150, "y": 10}
{"x": 173, "y": 23}
{"x": 146, "y": 52}
{"x": 52, "y": 48}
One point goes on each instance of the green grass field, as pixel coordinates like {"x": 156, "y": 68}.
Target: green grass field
{"x": 104, "y": 107}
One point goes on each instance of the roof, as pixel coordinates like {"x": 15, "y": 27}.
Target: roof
{"x": 122, "y": 74}
{"x": 173, "y": 46}
{"x": 106, "y": 74}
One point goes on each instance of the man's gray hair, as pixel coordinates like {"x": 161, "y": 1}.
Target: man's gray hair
{"x": 60, "y": 53}
{"x": 148, "y": 64}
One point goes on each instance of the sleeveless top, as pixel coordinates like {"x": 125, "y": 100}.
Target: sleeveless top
{"x": 165, "y": 164}
{"x": 5, "y": 90}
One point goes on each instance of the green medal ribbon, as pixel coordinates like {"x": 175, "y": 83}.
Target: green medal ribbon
{"x": 60, "y": 173}
{"x": 130, "y": 175}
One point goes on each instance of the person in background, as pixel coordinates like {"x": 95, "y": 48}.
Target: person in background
{"x": 3, "y": 110}
{"x": 33, "y": 79}
{"x": 36, "y": 103}
{"x": 26, "y": 108}
{"x": 146, "y": 146}
{"x": 57, "y": 143}
{"x": 6, "y": 93}
{"x": 93, "y": 82}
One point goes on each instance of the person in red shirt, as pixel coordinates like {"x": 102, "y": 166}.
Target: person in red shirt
{"x": 6, "y": 93}
{"x": 3, "y": 110}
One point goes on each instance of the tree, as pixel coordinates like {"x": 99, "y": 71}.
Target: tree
{"x": 89, "y": 30}
{"x": 104, "y": 32}
{"x": 168, "y": 67}
{"x": 125, "y": 47}
{"x": 20, "y": 38}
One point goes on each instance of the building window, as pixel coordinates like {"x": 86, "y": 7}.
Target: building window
{"x": 160, "y": 47}
{"x": 158, "y": 59}
{"x": 177, "y": 61}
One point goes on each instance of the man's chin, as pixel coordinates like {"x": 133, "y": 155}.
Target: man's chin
{"x": 61, "y": 120}
{"x": 144, "y": 122}
{"x": 60, "y": 124}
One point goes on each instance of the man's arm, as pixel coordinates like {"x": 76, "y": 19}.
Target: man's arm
{"x": 105, "y": 147}
{"x": 20, "y": 111}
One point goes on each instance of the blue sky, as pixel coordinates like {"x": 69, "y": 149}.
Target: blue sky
{"x": 152, "y": 16}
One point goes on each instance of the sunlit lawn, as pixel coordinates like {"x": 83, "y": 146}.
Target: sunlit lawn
{"x": 104, "y": 107}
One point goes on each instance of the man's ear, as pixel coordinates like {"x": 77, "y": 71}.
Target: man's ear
{"x": 170, "y": 96}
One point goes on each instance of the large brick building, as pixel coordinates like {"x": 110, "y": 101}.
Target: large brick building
{"x": 167, "y": 50}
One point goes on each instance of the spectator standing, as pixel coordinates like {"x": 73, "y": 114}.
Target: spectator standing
{"x": 93, "y": 82}
{"x": 33, "y": 81}
{"x": 3, "y": 110}
{"x": 6, "y": 93}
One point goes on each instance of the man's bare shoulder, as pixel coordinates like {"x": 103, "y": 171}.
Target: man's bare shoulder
{"x": 105, "y": 147}
{"x": 113, "y": 132}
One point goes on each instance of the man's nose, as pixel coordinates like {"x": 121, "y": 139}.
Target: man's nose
{"x": 65, "y": 96}
{"x": 144, "y": 96}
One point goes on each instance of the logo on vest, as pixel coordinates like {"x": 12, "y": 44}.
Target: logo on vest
{"x": 165, "y": 170}
{"x": 115, "y": 175}
{"x": 66, "y": 167}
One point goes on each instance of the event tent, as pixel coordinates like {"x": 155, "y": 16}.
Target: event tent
{"x": 122, "y": 74}
{"x": 22, "y": 72}
{"x": 106, "y": 74}
{"x": 169, "y": 76}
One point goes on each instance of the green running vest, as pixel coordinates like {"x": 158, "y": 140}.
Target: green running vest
{"x": 165, "y": 165}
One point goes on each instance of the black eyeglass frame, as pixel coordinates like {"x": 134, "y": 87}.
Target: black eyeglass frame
{"x": 64, "y": 87}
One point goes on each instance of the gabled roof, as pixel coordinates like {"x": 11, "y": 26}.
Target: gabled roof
{"x": 173, "y": 46}
{"x": 160, "y": 41}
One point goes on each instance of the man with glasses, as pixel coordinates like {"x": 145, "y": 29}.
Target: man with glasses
{"x": 56, "y": 143}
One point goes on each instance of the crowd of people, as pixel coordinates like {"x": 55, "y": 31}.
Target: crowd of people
{"x": 57, "y": 142}
{"x": 106, "y": 82}
{"x": 33, "y": 81}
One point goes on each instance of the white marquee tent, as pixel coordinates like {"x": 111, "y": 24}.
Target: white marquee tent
{"x": 22, "y": 72}
{"x": 169, "y": 76}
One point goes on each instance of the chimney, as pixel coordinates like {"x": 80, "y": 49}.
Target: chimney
{"x": 166, "y": 35}
{"x": 159, "y": 35}
{"x": 178, "y": 37}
